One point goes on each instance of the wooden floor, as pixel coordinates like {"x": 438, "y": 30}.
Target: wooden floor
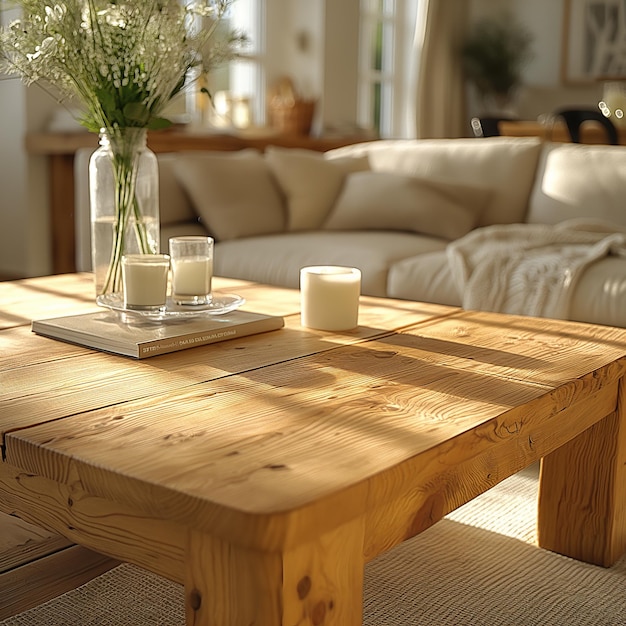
{"x": 37, "y": 565}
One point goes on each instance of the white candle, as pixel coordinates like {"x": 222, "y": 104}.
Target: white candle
{"x": 191, "y": 276}
{"x": 192, "y": 269}
{"x": 145, "y": 280}
{"x": 329, "y": 297}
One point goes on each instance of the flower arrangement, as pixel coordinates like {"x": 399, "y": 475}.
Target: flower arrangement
{"x": 121, "y": 62}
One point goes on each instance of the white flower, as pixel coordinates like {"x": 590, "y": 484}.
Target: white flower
{"x": 114, "y": 56}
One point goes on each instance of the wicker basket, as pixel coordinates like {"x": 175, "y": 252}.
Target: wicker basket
{"x": 291, "y": 118}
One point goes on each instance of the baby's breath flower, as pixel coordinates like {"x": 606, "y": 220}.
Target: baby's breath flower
{"x": 115, "y": 57}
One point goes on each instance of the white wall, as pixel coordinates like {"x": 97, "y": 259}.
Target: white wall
{"x": 13, "y": 221}
{"x": 543, "y": 90}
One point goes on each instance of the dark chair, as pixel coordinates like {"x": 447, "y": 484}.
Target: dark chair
{"x": 575, "y": 118}
{"x": 488, "y": 126}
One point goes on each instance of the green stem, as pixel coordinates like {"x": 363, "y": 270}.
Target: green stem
{"x": 125, "y": 151}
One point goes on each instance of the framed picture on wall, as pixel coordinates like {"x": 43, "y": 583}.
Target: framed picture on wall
{"x": 594, "y": 41}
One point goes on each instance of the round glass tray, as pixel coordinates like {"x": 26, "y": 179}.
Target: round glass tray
{"x": 219, "y": 305}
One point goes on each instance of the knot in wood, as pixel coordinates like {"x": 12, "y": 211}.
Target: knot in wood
{"x": 195, "y": 599}
{"x": 385, "y": 354}
{"x": 319, "y": 614}
{"x": 304, "y": 587}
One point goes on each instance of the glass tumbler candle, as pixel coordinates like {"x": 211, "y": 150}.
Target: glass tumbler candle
{"x": 192, "y": 269}
{"x": 144, "y": 279}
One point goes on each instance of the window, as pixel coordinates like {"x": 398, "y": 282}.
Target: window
{"x": 247, "y": 76}
{"x": 387, "y": 65}
{"x": 237, "y": 88}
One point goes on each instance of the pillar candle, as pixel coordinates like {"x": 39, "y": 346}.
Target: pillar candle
{"x": 329, "y": 297}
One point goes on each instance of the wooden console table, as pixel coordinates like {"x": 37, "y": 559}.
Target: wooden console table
{"x": 60, "y": 149}
{"x": 591, "y": 133}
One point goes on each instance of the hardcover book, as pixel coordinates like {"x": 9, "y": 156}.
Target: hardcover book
{"x": 140, "y": 338}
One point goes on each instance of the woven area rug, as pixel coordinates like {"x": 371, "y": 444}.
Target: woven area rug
{"x": 477, "y": 567}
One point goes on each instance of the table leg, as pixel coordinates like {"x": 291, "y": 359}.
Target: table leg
{"x": 315, "y": 584}
{"x": 582, "y": 495}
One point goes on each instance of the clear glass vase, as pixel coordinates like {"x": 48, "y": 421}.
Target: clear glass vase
{"x": 124, "y": 200}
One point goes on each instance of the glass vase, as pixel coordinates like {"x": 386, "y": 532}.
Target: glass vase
{"x": 124, "y": 204}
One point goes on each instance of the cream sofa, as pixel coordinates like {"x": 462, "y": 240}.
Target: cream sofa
{"x": 508, "y": 224}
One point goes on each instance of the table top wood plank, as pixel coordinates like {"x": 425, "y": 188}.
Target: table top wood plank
{"x": 541, "y": 350}
{"x": 285, "y": 438}
{"x": 35, "y": 385}
{"x": 21, "y": 301}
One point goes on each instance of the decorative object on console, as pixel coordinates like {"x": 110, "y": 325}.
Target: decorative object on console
{"x": 493, "y": 55}
{"x": 122, "y": 62}
{"x": 288, "y": 111}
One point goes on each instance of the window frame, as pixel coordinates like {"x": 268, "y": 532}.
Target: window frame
{"x": 394, "y": 81}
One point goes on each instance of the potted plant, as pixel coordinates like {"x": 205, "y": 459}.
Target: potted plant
{"x": 493, "y": 55}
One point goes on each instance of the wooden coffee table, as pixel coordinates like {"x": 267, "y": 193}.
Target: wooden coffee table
{"x": 264, "y": 472}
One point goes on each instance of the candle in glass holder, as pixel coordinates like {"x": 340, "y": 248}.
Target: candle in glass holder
{"x": 329, "y": 297}
{"x": 192, "y": 269}
{"x": 144, "y": 277}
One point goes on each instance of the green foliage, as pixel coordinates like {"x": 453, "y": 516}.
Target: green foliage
{"x": 494, "y": 54}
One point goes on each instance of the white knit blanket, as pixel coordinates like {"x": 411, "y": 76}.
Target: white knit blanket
{"x": 529, "y": 269}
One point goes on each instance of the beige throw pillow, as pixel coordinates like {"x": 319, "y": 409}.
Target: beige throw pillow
{"x": 234, "y": 193}
{"x": 386, "y": 201}
{"x": 174, "y": 204}
{"x": 310, "y": 181}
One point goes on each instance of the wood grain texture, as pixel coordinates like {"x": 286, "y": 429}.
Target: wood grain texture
{"x": 283, "y": 461}
{"x": 108, "y": 528}
{"x": 43, "y": 391}
{"x": 23, "y": 300}
{"x": 21, "y": 542}
{"x": 48, "y": 577}
{"x": 582, "y": 496}
{"x": 313, "y": 584}
{"x": 249, "y": 454}
{"x": 508, "y": 446}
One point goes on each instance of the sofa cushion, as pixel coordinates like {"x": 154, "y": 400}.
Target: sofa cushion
{"x": 180, "y": 229}
{"x": 174, "y": 204}
{"x": 310, "y": 181}
{"x": 277, "y": 259}
{"x": 387, "y": 201}
{"x": 234, "y": 193}
{"x": 504, "y": 164}
{"x": 576, "y": 180}
{"x": 599, "y": 297}
{"x": 424, "y": 278}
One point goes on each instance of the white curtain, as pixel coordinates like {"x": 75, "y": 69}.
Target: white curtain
{"x": 440, "y": 90}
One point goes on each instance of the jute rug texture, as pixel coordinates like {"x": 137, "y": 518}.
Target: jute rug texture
{"x": 477, "y": 567}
